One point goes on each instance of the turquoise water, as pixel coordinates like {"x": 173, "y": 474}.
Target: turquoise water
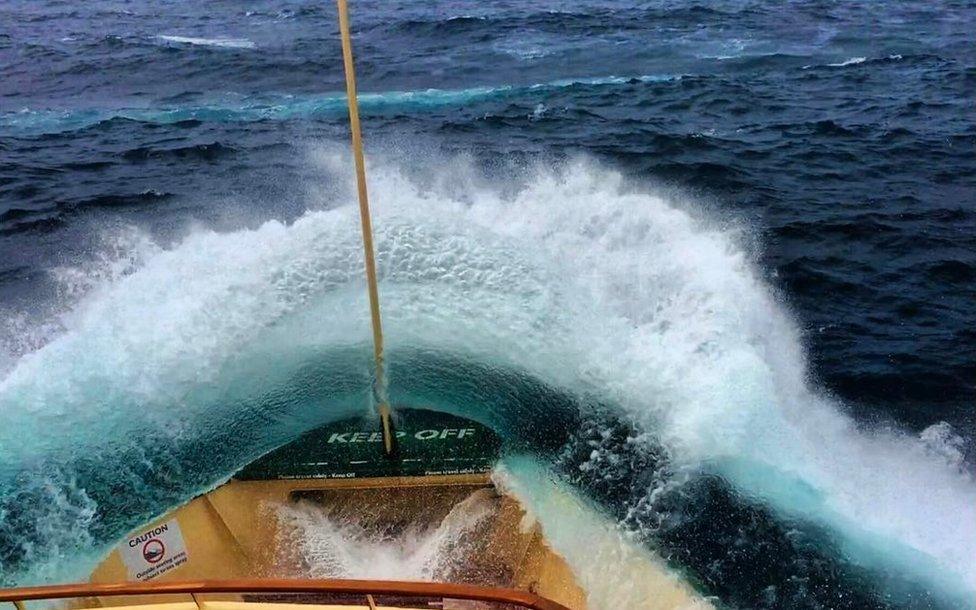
{"x": 710, "y": 266}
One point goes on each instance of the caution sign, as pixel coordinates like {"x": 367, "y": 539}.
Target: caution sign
{"x": 154, "y": 551}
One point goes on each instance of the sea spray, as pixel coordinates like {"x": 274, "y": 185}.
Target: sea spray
{"x": 317, "y": 545}
{"x": 610, "y": 294}
{"x": 613, "y": 569}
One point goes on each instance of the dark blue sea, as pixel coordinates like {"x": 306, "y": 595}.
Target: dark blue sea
{"x": 713, "y": 265}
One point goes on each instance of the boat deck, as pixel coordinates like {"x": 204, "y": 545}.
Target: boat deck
{"x": 245, "y": 529}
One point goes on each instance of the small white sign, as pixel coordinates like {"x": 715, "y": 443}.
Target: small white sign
{"x": 154, "y": 551}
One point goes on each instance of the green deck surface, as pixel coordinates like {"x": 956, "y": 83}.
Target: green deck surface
{"x": 428, "y": 443}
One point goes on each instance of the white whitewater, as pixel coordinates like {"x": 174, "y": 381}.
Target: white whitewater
{"x": 565, "y": 273}
{"x": 328, "y": 549}
{"x": 224, "y": 43}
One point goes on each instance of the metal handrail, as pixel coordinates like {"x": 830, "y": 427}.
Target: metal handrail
{"x": 340, "y": 586}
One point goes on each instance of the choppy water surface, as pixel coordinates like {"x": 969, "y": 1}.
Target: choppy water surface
{"x": 713, "y": 265}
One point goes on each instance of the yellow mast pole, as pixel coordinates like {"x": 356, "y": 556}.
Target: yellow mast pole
{"x": 383, "y": 405}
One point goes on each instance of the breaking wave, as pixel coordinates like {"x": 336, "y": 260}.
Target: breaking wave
{"x": 326, "y": 547}
{"x": 564, "y": 282}
{"x": 849, "y": 62}
{"x": 221, "y": 43}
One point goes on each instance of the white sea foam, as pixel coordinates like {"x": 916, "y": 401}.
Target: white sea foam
{"x": 614, "y": 570}
{"x": 227, "y": 43}
{"x": 567, "y": 274}
{"x": 327, "y": 548}
{"x": 850, "y": 62}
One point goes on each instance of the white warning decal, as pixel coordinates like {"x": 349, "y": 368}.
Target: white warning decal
{"x": 154, "y": 551}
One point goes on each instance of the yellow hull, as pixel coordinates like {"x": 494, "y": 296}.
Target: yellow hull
{"x": 236, "y": 531}
{"x": 327, "y": 495}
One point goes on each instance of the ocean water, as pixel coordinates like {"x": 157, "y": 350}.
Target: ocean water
{"x": 712, "y": 265}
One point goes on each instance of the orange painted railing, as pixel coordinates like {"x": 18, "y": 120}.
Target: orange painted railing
{"x": 524, "y": 599}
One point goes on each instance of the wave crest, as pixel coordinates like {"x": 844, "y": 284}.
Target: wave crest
{"x": 570, "y": 276}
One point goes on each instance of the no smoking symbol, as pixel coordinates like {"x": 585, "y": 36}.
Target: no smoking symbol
{"x": 153, "y": 550}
